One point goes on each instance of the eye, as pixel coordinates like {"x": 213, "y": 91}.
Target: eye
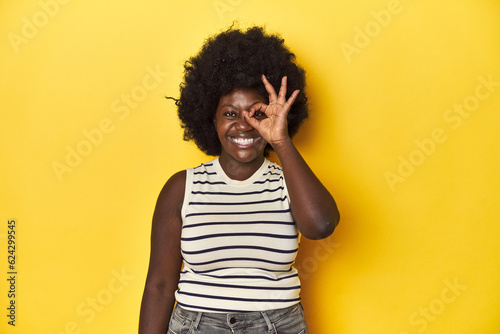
{"x": 229, "y": 114}
{"x": 259, "y": 115}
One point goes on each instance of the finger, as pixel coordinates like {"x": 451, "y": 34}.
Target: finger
{"x": 282, "y": 92}
{"x": 251, "y": 120}
{"x": 259, "y": 106}
{"x": 291, "y": 100}
{"x": 269, "y": 88}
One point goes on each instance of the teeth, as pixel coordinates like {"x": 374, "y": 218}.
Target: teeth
{"x": 243, "y": 141}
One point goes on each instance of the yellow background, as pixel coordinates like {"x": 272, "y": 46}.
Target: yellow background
{"x": 416, "y": 183}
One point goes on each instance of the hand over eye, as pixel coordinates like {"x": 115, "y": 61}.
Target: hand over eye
{"x": 271, "y": 119}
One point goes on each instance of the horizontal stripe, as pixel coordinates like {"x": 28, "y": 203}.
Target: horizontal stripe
{"x": 208, "y": 182}
{"x": 215, "y": 249}
{"x": 261, "y": 300}
{"x": 234, "y": 286}
{"x": 240, "y": 203}
{"x": 264, "y": 222}
{"x": 205, "y": 272}
{"x": 248, "y": 234}
{"x": 269, "y": 180}
{"x": 235, "y": 193}
{"x": 231, "y": 259}
{"x": 271, "y": 173}
{"x": 247, "y": 277}
{"x": 205, "y": 173}
{"x": 207, "y": 164}
{"x": 235, "y": 213}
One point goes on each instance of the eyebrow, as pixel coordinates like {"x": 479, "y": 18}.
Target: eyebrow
{"x": 232, "y": 106}
{"x": 228, "y": 105}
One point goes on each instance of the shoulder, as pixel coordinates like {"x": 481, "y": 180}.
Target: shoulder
{"x": 175, "y": 186}
{"x": 172, "y": 193}
{"x": 176, "y": 181}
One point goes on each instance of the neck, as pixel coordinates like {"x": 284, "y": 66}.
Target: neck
{"x": 237, "y": 170}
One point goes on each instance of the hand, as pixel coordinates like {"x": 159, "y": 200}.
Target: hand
{"x": 271, "y": 120}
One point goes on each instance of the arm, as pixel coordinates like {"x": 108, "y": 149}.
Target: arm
{"x": 165, "y": 259}
{"x": 312, "y": 206}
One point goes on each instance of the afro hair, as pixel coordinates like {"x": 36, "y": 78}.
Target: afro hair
{"x": 236, "y": 59}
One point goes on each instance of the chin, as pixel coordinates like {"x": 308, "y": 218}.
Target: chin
{"x": 246, "y": 156}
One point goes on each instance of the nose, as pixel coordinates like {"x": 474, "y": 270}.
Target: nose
{"x": 242, "y": 124}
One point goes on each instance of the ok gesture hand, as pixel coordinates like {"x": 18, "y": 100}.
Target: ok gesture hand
{"x": 274, "y": 127}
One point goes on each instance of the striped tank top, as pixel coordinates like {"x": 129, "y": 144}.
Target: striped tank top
{"x": 238, "y": 242}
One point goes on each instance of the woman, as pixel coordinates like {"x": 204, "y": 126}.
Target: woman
{"x": 225, "y": 234}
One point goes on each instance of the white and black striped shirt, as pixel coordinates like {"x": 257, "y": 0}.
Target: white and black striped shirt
{"x": 238, "y": 242}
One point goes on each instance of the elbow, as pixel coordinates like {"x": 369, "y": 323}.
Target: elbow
{"x": 334, "y": 219}
{"x": 328, "y": 221}
{"x": 324, "y": 232}
{"x": 324, "y": 229}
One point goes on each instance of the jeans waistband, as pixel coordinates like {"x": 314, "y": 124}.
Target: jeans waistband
{"x": 238, "y": 319}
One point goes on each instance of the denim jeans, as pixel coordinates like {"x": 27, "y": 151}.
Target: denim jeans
{"x": 289, "y": 320}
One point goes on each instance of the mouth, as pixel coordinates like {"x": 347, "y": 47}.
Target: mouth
{"x": 245, "y": 142}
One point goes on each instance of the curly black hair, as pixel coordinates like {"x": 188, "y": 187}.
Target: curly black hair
{"x": 236, "y": 59}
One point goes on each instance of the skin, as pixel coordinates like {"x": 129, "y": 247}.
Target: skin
{"x": 239, "y": 161}
{"x": 244, "y": 124}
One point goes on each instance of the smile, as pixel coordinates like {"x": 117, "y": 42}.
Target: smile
{"x": 244, "y": 141}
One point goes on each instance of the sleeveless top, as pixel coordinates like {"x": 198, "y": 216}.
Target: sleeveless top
{"x": 238, "y": 242}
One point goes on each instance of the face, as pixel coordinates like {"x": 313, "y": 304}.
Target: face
{"x": 240, "y": 141}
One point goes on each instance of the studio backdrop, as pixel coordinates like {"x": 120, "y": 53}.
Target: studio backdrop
{"x": 404, "y": 131}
